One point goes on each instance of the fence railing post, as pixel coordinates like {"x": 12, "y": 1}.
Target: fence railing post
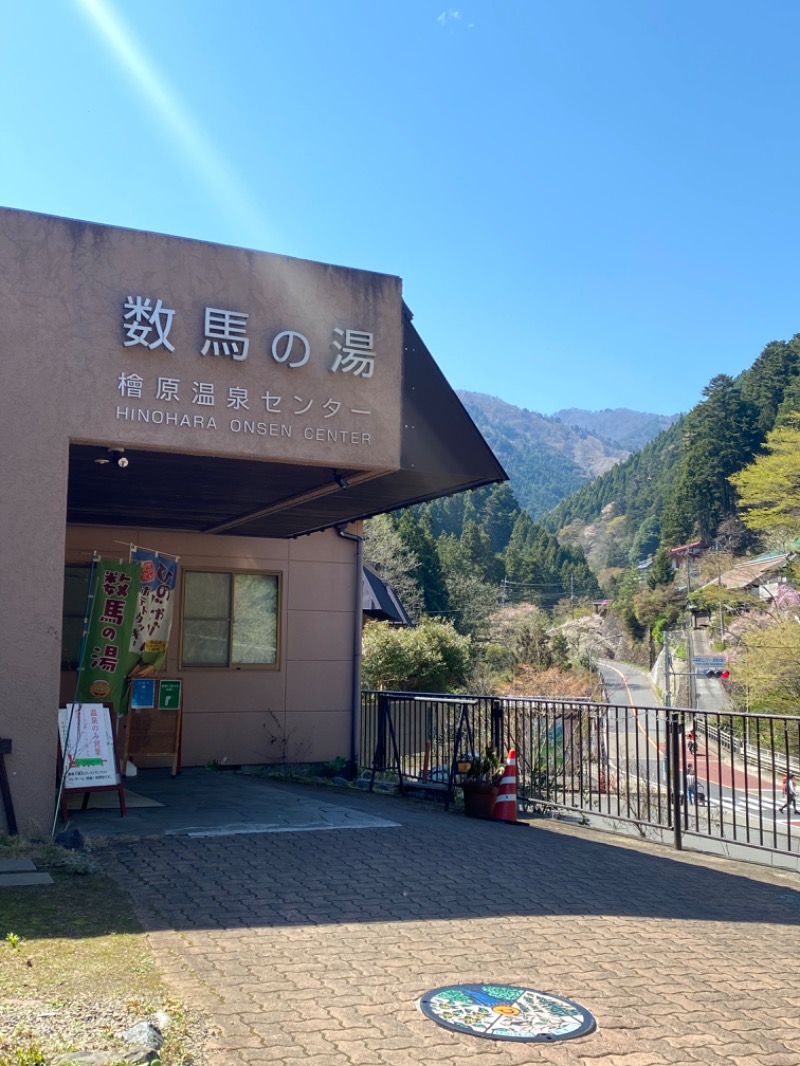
{"x": 563, "y": 761}
{"x": 676, "y": 782}
{"x": 497, "y": 726}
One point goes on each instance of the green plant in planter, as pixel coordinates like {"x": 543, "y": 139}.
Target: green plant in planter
{"x": 487, "y": 768}
{"x": 481, "y": 784}
{"x": 336, "y": 767}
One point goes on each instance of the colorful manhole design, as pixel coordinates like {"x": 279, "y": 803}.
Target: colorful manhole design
{"x": 506, "y": 1012}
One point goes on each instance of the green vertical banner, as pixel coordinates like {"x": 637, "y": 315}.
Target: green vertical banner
{"x": 103, "y": 665}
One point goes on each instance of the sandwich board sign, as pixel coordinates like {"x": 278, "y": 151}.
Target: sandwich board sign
{"x": 88, "y": 750}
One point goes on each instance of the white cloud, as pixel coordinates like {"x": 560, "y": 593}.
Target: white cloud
{"x": 450, "y": 15}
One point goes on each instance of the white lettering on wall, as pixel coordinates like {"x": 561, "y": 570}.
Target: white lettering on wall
{"x": 147, "y": 325}
{"x": 225, "y": 333}
{"x": 157, "y": 418}
{"x": 263, "y": 429}
{"x": 284, "y": 349}
{"x": 357, "y": 355}
{"x": 245, "y": 426}
{"x": 168, "y": 390}
{"x": 336, "y": 436}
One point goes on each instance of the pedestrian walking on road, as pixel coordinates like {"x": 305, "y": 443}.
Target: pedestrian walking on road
{"x": 691, "y": 783}
{"x": 789, "y": 793}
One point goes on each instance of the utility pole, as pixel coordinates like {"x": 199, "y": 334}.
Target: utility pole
{"x": 674, "y": 783}
{"x": 719, "y": 585}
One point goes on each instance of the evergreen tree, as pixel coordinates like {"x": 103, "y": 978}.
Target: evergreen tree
{"x": 645, "y": 540}
{"x": 765, "y": 383}
{"x": 662, "y": 572}
{"x": 789, "y": 410}
{"x": 524, "y": 574}
{"x": 721, "y": 435}
{"x": 414, "y": 531}
{"x": 478, "y": 554}
{"x": 499, "y": 514}
{"x": 388, "y": 556}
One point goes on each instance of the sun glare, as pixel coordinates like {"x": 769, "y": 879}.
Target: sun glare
{"x": 205, "y": 159}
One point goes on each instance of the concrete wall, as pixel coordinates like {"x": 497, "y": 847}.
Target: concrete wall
{"x": 33, "y": 489}
{"x": 66, "y": 287}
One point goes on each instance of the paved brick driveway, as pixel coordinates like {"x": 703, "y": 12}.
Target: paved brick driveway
{"x": 312, "y": 947}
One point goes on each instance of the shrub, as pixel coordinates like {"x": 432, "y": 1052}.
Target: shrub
{"x": 429, "y": 657}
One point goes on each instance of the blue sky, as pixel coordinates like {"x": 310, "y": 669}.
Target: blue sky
{"x": 592, "y": 203}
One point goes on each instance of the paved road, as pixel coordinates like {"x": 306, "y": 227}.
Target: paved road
{"x": 738, "y": 801}
{"x": 313, "y": 947}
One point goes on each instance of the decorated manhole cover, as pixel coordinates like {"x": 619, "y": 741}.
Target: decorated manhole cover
{"x": 506, "y": 1012}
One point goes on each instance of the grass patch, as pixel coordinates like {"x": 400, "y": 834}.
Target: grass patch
{"x": 75, "y": 966}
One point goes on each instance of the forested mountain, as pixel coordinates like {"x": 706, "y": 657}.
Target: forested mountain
{"x": 464, "y": 556}
{"x": 505, "y": 599}
{"x": 625, "y": 428}
{"x": 677, "y": 487}
{"x": 545, "y": 458}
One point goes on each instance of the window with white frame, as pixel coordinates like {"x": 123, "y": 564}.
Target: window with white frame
{"x": 230, "y": 619}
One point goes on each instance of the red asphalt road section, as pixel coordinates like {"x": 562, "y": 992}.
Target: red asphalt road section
{"x": 712, "y": 771}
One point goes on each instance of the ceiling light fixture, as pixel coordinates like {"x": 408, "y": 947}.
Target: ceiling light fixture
{"x": 118, "y": 456}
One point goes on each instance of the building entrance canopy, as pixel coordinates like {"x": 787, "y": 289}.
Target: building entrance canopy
{"x": 251, "y": 393}
{"x": 441, "y": 452}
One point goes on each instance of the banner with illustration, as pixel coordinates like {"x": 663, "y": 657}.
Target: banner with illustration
{"x": 147, "y": 652}
{"x": 104, "y": 664}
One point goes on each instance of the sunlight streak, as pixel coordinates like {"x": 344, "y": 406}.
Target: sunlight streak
{"x": 204, "y": 158}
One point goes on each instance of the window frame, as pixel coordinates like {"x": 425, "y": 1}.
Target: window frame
{"x": 68, "y": 617}
{"x": 232, "y": 573}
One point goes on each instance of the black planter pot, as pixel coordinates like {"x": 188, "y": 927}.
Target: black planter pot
{"x": 479, "y": 799}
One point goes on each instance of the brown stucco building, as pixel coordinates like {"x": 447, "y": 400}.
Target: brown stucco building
{"x": 264, "y": 407}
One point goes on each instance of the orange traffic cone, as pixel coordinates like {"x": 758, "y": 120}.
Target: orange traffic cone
{"x": 505, "y": 808}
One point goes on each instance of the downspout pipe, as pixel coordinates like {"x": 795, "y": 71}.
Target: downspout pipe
{"x": 355, "y": 714}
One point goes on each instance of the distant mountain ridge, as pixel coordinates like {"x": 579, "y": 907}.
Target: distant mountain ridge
{"x": 548, "y": 458}
{"x": 629, "y": 429}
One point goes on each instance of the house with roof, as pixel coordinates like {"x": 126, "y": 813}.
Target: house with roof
{"x": 380, "y": 601}
{"x": 686, "y": 551}
{"x": 762, "y": 576}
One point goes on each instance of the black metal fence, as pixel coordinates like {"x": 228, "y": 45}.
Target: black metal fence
{"x": 688, "y": 772}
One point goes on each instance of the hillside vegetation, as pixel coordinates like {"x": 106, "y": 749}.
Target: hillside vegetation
{"x": 677, "y": 488}
{"x": 727, "y": 473}
{"x": 548, "y": 458}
